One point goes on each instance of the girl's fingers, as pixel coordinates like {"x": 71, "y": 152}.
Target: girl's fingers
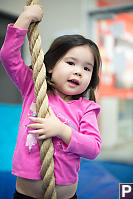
{"x": 35, "y": 126}
{"x": 38, "y": 132}
{"x": 36, "y": 119}
{"x": 42, "y": 137}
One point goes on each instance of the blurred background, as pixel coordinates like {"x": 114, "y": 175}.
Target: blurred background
{"x": 109, "y": 24}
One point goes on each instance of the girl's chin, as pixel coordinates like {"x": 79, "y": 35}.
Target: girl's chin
{"x": 68, "y": 94}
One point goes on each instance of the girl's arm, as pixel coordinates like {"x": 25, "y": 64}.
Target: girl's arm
{"x": 10, "y": 53}
{"x": 87, "y": 141}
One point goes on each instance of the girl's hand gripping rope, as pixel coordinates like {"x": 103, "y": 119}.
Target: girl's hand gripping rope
{"x": 32, "y": 13}
{"x": 45, "y": 128}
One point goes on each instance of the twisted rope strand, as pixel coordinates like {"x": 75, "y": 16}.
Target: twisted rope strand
{"x": 40, "y": 88}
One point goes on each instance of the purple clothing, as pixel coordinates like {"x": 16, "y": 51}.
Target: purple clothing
{"x": 80, "y": 115}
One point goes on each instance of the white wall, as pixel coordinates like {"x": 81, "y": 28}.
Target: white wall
{"x": 109, "y": 122}
{"x": 60, "y": 17}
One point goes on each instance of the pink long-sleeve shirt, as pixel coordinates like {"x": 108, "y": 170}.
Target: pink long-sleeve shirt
{"x": 80, "y": 115}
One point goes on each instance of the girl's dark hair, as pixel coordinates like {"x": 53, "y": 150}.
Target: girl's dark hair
{"x": 60, "y": 47}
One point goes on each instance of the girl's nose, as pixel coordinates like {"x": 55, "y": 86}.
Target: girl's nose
{"x": 78, "y": 71}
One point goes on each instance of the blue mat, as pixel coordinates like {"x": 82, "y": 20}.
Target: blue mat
{"x": 95, "y": 182}
{"x": 97, "y": 179}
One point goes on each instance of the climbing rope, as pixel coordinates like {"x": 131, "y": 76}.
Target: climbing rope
{"x": 40, "y": 89}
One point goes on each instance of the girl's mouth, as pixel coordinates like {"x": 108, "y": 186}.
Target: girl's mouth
{"x": 74, "y": 81}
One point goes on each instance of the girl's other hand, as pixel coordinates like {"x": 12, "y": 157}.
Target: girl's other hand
{"x": 45, "y": 128}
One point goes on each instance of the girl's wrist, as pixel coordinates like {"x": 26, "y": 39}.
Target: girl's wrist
{"x": 23, "y": 21}
{"x": 65, "y": 133}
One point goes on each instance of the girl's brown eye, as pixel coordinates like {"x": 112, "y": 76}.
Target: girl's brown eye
{"x": 86, "y": 68}
{"x": 70, "y": 63}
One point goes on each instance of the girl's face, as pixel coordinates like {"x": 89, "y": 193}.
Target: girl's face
{"x": 72, "y": 73}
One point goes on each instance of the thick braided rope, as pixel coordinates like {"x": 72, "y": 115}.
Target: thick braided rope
{"x": 39, "y": 74}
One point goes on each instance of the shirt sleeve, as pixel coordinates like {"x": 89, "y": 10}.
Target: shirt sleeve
{"x": 10, "y": 56}
{"x": 87, "y": 142}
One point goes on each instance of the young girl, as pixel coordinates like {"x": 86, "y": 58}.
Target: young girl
{"x": 72, "y": 65}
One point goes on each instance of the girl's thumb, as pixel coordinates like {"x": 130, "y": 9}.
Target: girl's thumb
{"x": 50, "y": 111}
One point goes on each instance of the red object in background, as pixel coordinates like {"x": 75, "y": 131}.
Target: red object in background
{"x": 115, "y": 37}
{"x": 103, "y": 3}
{"x": 108, "y": 90}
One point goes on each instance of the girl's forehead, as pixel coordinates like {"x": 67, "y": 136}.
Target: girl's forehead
{"x": 77, "y": 50}
{"x": 80, "y": 53}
